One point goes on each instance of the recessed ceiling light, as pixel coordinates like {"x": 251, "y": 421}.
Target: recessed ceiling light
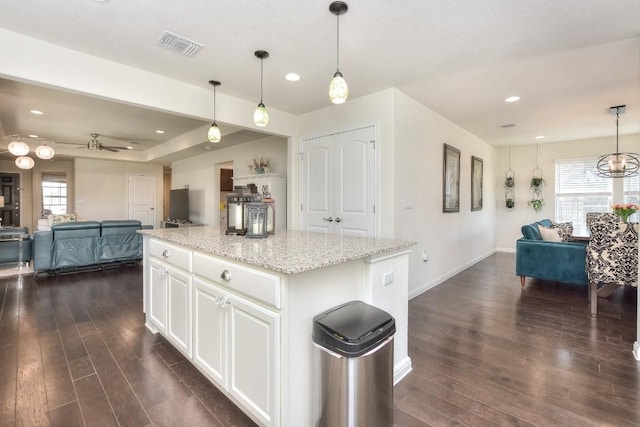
{"x": 38, "y": 112}
{"x": 159, "y": 131}
{"x": 129, "y": 147}
{"x": 512, "y": 99}
{"x": 292, "y": 77}
{"x": 33, "y": 136}
{"x": 540, "y": 137}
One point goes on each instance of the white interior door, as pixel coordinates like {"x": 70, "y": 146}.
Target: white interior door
{"x": 338, "y": 174}
{"x": 318, "y": 182}
{"x": 142, "y": 198}
{"x": 354, "y": 206}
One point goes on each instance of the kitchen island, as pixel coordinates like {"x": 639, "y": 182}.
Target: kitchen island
{"x": 241, "y": 310}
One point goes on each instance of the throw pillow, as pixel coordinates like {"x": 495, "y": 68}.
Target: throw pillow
{"x": 549, "y": 234}
{"x": 57, "y": 219}
{"x": 565, "y": 230}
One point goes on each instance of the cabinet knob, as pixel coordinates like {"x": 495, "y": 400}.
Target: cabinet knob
{"x": 224, "y": 301}
{"x": 225, "y": 275}
{"x": 165, "y": 253}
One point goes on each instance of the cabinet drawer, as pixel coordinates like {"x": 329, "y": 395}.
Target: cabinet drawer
{"x": 258, "y": 285}
{"x": 174, "y": 255}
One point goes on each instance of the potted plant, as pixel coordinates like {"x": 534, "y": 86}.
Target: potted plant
{"x": 510, "y": 203}
{"x": 536, "y": 203}
{"x": 508, "y": 182}
{"x": 536, "y": 183}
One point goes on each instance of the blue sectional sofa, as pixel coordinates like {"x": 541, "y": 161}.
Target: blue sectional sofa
{"x": 83, "y": 244}
{"x": 556, "y": 261}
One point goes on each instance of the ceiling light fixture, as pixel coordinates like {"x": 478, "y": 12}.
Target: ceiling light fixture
{"x": 45, "y": 152}
{"x": 33, "y": 136}
{"x": 539, "y": 137}
{"x": 512, "y": 99}
{"x": 214, "y": 133}
{"x": 37, "y": 112}
{"x": 338, "y": 89}
{"x": 17, "y": 147}
{"x": 159, "y": 131}
{"x": 618, "y": 165}
{"x": 25, "y": 162}
{"x": 292, "y": 77}
{"x": 261, "y": 115}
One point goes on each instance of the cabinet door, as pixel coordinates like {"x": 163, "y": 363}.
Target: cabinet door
{"x": 157, "y": 295}
{"x": 255, "y": 359}
{"x": 179, "y": 310}
{"x": 210, "y": 331}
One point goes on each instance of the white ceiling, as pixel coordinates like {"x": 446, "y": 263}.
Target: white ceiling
{"x": 569, "y": 60}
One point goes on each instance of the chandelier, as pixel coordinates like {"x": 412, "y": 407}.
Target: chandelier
{"x": 618, "y": 165}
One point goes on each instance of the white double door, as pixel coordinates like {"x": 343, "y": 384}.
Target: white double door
{"x": 338, "y": 188}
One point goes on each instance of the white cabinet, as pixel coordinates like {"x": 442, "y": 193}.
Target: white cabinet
{"x": 170, "y": 294}
{"x": 277, "y": 186}
{"x": 236, "y": 340}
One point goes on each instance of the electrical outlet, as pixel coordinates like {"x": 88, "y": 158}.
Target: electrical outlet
{"x": 387, "y": 278}
{"x": 425, "y": 257}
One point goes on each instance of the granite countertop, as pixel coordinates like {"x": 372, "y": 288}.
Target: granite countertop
{"x": 288, "y": 251}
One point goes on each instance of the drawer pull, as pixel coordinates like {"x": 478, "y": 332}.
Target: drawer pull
{"x": 165, "y": 253}
{"x": 225, "y": 275}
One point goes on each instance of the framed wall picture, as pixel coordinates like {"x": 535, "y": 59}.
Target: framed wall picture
{"x": 451, "y": 179}
{"x": 476, "y": 183}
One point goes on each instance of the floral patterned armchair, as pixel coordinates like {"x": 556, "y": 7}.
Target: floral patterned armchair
{"x": 612, "y": 255}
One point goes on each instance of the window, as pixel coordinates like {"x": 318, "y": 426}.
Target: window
{"x": 580, "y": 190}
{"x": 632, "y": 194}
{"x": 54, "y": 194}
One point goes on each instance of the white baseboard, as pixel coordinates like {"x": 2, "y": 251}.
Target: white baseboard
{"x": 401, "y": 370}
{"x": 435, "y": 282}
{"x": 636, "y": 350}
{"x": 507, "y": 250}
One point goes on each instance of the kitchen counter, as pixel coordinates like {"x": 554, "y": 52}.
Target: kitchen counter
{"x": 288, "y": 251}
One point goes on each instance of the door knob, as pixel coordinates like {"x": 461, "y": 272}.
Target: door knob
{"x": 338, "y": 219}
{"x": 328, "y": 219}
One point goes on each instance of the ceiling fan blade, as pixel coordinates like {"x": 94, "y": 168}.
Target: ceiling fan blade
{"x": 68, "y": 143}
{"x": 108, "y": 148}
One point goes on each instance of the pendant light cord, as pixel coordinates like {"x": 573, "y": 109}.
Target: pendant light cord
{"x": 338, "y": 43}
{"x": 214, "y": 103}
{"x": 261, "y": 62}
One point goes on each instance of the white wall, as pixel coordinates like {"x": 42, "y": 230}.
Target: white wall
{"x": 199, "y": 173}
{"x": 410, "y": 146}
{"x": 523, "y": 162}
{"x": 101, "y": 188}
{"x": 452, "y": 241}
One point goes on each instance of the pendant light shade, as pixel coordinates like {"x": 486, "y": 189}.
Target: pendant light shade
{"x": 214, "y": 134}
{"x": 338, "y": 89}
{"x": 618, "y": 165}
{"x": 45, "y": 152}
{"x": 261, "y": 115}
{"x": 18, "y": 148}
{"x": 25, "y": 162}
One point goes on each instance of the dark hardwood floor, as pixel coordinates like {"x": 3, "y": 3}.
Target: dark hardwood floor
{"x": 74, "y": 351}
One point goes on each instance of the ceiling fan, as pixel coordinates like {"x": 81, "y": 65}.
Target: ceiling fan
{"x": 94, "y": 144}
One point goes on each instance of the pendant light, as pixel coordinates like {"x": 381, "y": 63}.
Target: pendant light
{"x": 45, "y": 152}
{"x": 338, "y": 89}
{"x": 18, "y": 148}
{"x": 214, "y": 134}
{"x": 261, "y": 115}
{"x": 618, "y": 165}
{"x": 24, "y": 162}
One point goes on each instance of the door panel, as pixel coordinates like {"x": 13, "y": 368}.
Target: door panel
{"x": 209, "y": 329}
{"x": 10, "y": 189}
{"x": 142, "y": 198}
{"x": 339, "y": 183}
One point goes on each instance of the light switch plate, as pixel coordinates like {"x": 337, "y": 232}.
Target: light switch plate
{"x": 387, "y": 278}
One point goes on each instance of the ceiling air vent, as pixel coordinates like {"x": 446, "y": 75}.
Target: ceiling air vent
{"x": 507, "y": 125}
{"x": 179, "y": 43}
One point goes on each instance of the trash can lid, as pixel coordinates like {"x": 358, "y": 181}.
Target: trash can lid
{"x": 352, "y": 329}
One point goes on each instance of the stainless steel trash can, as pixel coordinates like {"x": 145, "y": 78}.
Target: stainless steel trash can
{"x": 356, "y": 365}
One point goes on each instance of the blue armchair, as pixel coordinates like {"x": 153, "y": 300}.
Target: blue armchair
{"x": 556, "y": 261}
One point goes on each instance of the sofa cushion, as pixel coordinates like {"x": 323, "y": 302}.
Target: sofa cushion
{"x": 565, "y": 230}
{"x": 549, "y": 234}
{"x": 530, "y": 231}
